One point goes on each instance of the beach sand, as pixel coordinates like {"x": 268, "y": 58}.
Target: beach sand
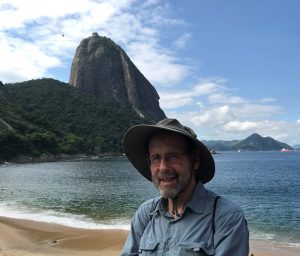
{"x": 30, "y": 238}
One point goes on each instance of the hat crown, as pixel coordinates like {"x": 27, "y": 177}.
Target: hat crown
{"x": 176, "y": 125}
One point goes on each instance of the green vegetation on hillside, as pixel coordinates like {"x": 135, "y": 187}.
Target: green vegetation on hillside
{"x": 48, "y": 116}
{"x": 254, "y": 142}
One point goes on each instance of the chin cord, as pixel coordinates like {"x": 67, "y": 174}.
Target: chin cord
{"x": 175, "y": 211}
{"x": 174, "y": 200}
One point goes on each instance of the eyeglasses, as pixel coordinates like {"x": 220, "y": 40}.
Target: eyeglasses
{"x": 170, "y": 158}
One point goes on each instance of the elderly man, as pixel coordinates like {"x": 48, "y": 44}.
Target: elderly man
{"x": 187, "y": 219}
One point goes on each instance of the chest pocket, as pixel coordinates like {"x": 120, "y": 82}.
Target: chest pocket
{"x": 148, "y": 247}
{"x": 201, "y": 249}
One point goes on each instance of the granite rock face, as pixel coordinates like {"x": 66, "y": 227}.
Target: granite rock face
{"x": 102, "y": 68}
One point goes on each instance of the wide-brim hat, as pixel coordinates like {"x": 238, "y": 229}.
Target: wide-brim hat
{"x": 135, "y": 146}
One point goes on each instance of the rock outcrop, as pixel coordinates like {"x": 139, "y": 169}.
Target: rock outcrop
{"x": 102, "y": 68}
{"x": 5, "y": 98}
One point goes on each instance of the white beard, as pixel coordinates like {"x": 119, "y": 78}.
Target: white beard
{"x": 173, "y": 192}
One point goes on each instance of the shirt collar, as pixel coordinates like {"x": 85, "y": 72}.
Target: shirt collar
{"x": 197, "y": 201}
{"x": 160, "y": 206}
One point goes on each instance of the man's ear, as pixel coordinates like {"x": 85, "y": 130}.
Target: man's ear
{"x": 196, "y": 160}
{"x": 196, "y": 164}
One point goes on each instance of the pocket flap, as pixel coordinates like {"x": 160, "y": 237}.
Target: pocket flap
{"x": 198, "y": 247}
{"x": 148, "y": 245}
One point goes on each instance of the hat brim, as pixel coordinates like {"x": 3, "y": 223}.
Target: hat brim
{"x": 135, "y": 146}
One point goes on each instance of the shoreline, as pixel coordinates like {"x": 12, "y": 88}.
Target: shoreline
{"x": 31, "y": 238}
{"x": 45, "y": 158}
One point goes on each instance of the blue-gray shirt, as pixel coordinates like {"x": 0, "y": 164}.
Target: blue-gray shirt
{"x": 155, "y": 232}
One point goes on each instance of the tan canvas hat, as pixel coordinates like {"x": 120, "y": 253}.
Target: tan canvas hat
{"x": 135, "y": 146}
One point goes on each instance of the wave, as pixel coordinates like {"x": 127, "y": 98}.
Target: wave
{"x": 13, "y": 210}
{"x": 284, "y": 240}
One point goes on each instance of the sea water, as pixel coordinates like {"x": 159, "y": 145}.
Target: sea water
{"x": 105, "y": 192}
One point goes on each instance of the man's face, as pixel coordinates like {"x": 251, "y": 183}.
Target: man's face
{"x": 170, "y": 163}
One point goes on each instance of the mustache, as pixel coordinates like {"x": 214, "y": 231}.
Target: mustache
{"x": 166, "y": 175}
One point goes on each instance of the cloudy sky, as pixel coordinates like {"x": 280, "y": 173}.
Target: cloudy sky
{"x": 227, "y": 68}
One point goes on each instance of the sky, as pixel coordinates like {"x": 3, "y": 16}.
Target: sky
{"x": 225, "y": 68}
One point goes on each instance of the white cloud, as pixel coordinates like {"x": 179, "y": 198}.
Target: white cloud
{"x": 17, "y": 13}
{"x": 216, "y": 116}
{"x": 224, "y": 115}
{"x": 209, "y": 108}
{"x": 156, "y": 64}
{"x": 27, "y": 60}
{"x": 206, "y": 88}
{"x": 240, "y": 126}
{"x": 213, "y": 125}
{"x": 54, "y": 33}
{"x": 220, "y": 98}
{"x": 266, "y": 100}
{"x": 258, "y": 111}
{"x": 174, "y": 99}
{"x": 182, "y": 41}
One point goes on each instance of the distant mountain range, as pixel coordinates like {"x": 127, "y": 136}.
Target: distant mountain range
{"x": 254, "y": 142}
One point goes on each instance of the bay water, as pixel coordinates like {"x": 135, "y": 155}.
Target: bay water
{"x": 103, "y": 193}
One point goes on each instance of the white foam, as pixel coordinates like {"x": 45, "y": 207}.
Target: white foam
{"x": 294, "y": 244}
{"x": 77, "y": 221}
{"x": 261, "y": 236}
{"x": 272, "y": 238}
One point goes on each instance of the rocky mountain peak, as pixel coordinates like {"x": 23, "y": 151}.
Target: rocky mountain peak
{"x": 102, "y": 68}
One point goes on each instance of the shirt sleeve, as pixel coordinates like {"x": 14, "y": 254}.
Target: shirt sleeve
{"x": 232, "y": 235}
{"x": 138, "y": 224}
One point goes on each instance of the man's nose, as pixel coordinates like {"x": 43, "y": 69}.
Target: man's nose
{"x": 163, "y": 164}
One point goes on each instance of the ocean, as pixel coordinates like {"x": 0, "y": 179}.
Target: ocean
{"x": 103, "y": 193}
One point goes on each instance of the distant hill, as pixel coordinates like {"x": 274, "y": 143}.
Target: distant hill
{"x": 220, "y": 145}
{"x": 46, "y": 116}
{"x": 257, "y": 142}
{"x": 254, "y": 142}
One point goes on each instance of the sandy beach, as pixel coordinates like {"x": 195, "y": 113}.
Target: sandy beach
{"x": 30, "y": 238}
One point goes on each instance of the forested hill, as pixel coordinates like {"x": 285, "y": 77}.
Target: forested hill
{"x": 254, "y": 142}
{"x": 46, "y": 116}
